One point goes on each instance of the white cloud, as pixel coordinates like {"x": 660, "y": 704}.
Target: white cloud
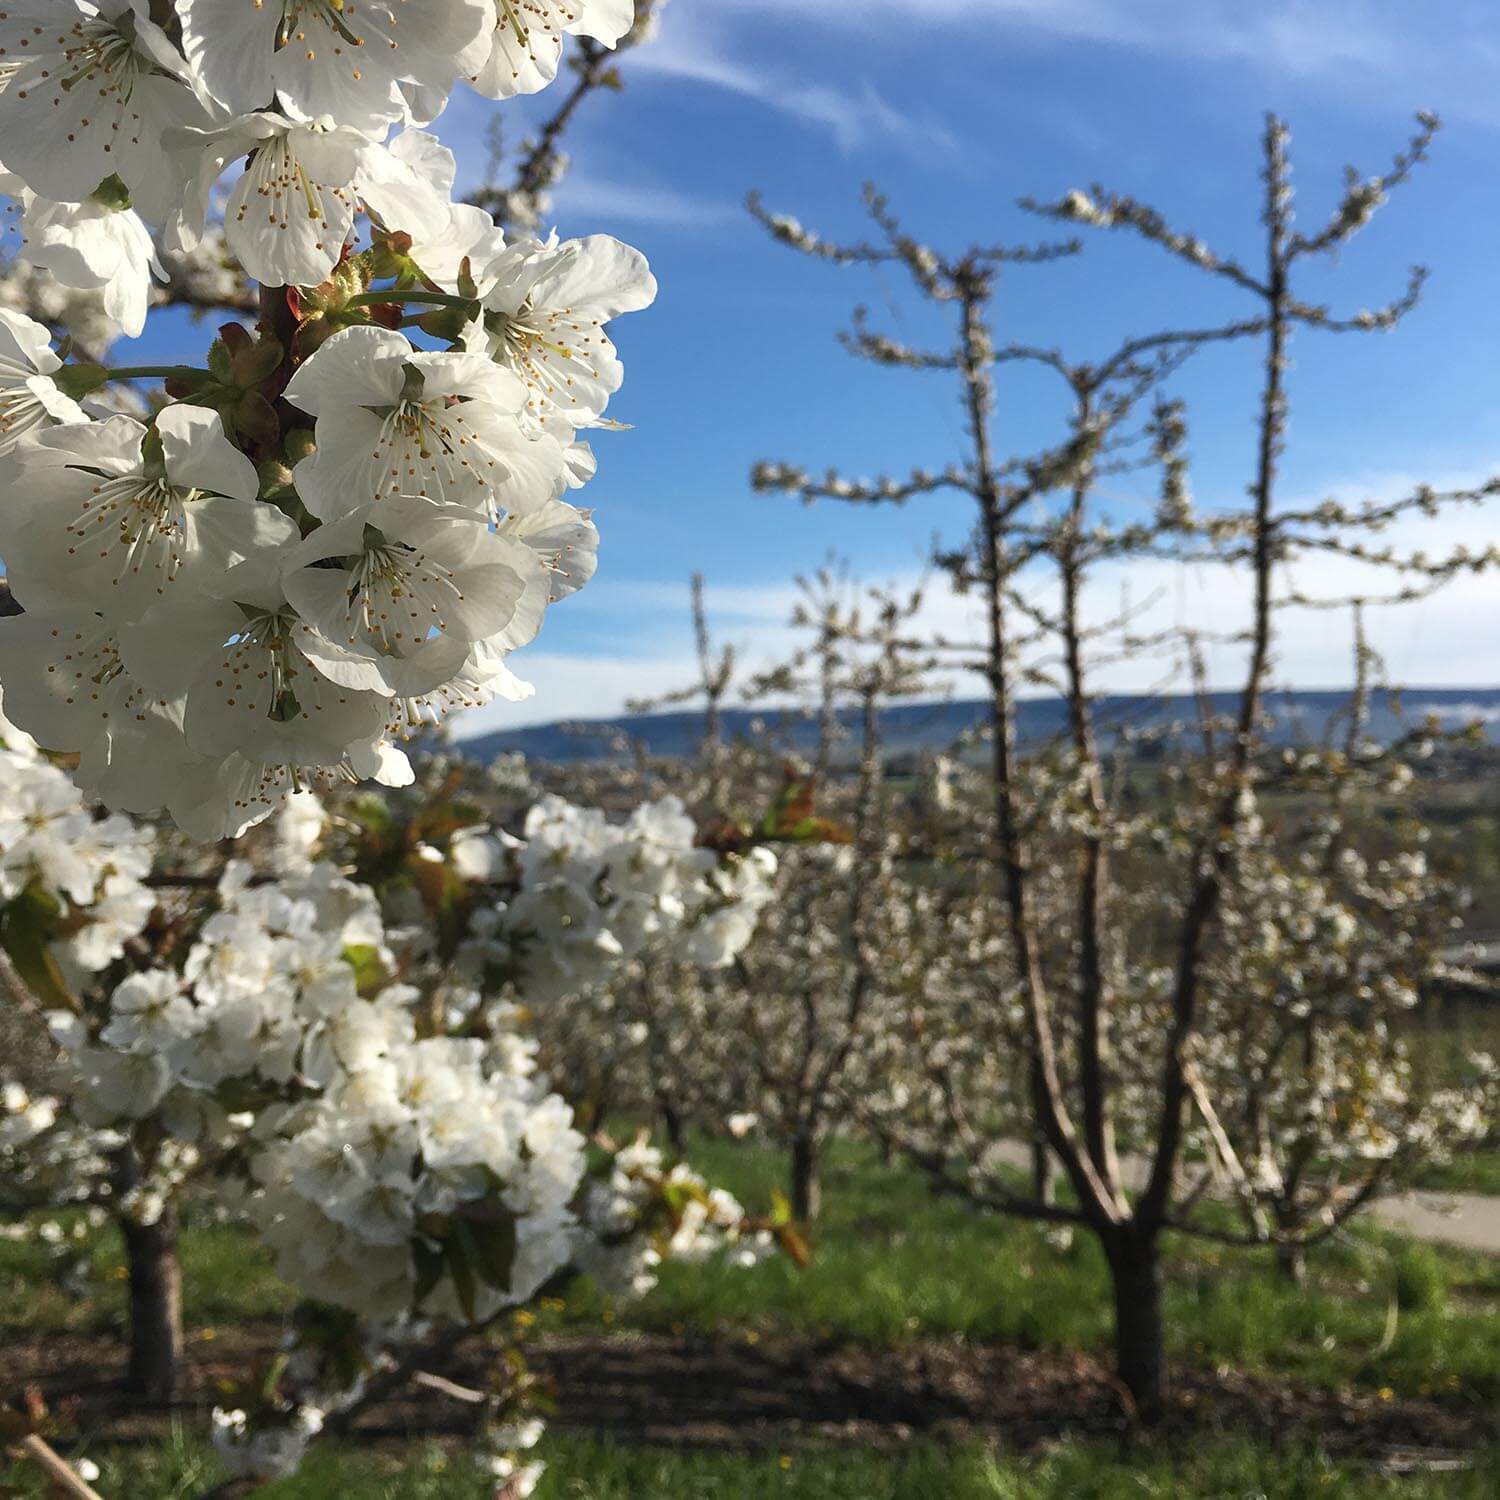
{"x": 584, "y": 197}
{"x": 1439, "y": 54}
{"x": 1433, "y": 643}
{"x": 692, "y": 50}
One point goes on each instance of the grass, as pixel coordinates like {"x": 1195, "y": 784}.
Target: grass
{"x": 583, "y": 1470}
{"x": 1473, "y": 1172}
{"x": 892, "y": 1264}
{"x": 227, "y": 1278}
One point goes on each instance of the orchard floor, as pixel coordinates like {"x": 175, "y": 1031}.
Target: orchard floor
{"x": 924, "y": 1353}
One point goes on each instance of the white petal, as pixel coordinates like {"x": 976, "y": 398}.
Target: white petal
{"x": 200, "y": 456}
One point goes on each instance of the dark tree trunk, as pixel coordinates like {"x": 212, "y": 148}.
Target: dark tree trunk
{"x": 807, "y": 1186}
{"x": 671, "y": 1121}
{"x": 155, "y": 1306}
{"x": 1140, "y": 1359}
{"x": 1291, "y": 1261}
{"x": 1043, "y": 1188}
{"x": 1043, "y": 1178}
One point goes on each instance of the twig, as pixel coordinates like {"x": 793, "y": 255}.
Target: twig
{"x": 57, "y": 1469}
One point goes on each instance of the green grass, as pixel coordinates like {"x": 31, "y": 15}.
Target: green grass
{"x": 891, "y": 1263}
{"x": 1473, "y": 1172}
{"x": 1223, "y": 1469}
{"x": 226, "y": 1278}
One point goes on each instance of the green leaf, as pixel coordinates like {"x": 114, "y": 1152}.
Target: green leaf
{"x": 494, "y": 1247}
{"x": 369, "y": 971}
{"x": 27, "y": 926}
{"x": 428, "y": 1260}
{"x": 461, "y": 1269}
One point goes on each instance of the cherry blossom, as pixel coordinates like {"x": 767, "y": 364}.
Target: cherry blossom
{"x": 415, "y": 586}
{"x": 103, "y": 510}
{"x": 29, "y": 397}
{"x": 396, "y": 420}
{"x": 291, "y": 210}
{"x": 93, "y": 89}
{"x": 318, "y": 58}
{"x": 544, "y": 319}
{"x": 528, "y": 40}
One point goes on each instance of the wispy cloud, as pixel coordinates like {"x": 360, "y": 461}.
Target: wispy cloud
{"x": 1445, "y": 55}
{"x": 699, "y": 52}
{"x": 584, "y": 197}
{"x": 1427, "y": 644}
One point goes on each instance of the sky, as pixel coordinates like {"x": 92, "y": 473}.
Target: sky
{"x": 957, "y": 109}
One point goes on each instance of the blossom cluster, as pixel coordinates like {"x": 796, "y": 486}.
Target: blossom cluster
{"x": 595, "y": 895}
{"x": 266, "y": 993}
{"x": 332, "y": 535}
{"x": 47, "y": 1159}
{"x": 70, "y": 883}
{"x": 645, "y": 1211}
{"x": 359, "y": 1191}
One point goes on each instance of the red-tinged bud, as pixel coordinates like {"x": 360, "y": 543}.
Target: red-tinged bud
{"x": 255, "y": 419}
{"x": 256, "y": 363}
{"x": 236, "y": 338}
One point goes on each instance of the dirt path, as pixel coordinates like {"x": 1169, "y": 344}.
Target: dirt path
{"x": 1469, "y": 1220}
{"x": 725, "y": 1392}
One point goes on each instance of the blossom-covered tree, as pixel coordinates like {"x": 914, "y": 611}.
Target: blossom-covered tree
{"x": 345, "y": 1067}
{"x": 1108, "y": 974}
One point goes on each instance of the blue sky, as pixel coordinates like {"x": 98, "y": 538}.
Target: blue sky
{"x": 957, "y": 108}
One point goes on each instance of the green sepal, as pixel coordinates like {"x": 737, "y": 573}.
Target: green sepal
{"x": 111, "y": 194}
{"x": 446, "y": 323}
{"x": 80, "y": 380}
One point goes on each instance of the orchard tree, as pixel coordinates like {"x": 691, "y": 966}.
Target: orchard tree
{"x": 345, "y": 1067}
{"x": 1129, "y": 988}
{"x": 794, "y": 1032}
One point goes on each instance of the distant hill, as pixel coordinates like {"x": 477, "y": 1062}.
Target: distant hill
{"x": 1300, "y": 717}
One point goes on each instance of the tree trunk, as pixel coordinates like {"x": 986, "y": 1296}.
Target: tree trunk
{"x": 155, "y": 1306}
{"x": 1140, "y": 1359}
{"x": 1043, "y": 1180}
{"x": 807, "y": 1186}
{"x": 671, "y": 1120}
{"x": 1291, "y": 1261}
{"x": 1043, "y": 1188}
